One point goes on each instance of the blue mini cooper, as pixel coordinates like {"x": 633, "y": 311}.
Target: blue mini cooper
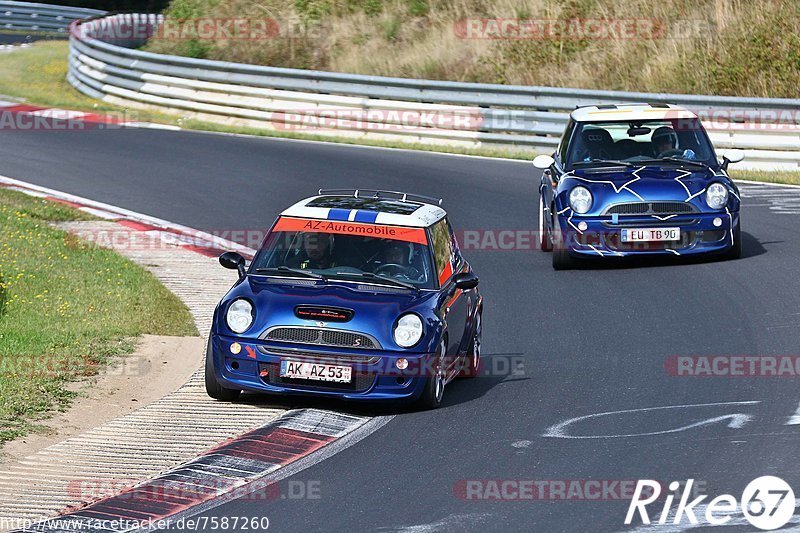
{"x": 354, "y": 294}
{"x": 636, "y": 179}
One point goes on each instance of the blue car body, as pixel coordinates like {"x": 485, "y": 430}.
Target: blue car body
{"x": 618, "y": 196}
{"x": 345, "y": 322}
{"x": 635, "y": 196}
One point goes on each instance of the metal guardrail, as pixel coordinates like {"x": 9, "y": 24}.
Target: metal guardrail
{"x": 45, "y": 18}
{"x": 104, "y": 64}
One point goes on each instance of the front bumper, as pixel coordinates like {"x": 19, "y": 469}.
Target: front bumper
{"x": 602, "y": 236}
{"x": 256, "y": 368}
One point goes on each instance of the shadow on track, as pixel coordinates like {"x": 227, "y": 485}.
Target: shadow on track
{"x": 457, "y": 391}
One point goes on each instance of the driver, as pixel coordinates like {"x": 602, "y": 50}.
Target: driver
{"x": 398, "y": 255}
{"x": 318, "y": 248}
{"x": 665, "y": 144}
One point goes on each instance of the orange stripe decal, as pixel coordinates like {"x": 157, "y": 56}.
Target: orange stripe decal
{"x": 395, "y": 233}
{"x": 445, "y": 274}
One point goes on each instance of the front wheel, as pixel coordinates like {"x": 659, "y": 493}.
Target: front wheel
{"x": 736, "y": 250}
{"x": 545, "y": 241}
{"x": 434, "y": 385}
{"x": 213, "y": 388}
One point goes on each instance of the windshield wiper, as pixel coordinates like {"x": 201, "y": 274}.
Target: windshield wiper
{"x": 678, "y": 160}
{"x": 392, "y": 281}
{"x": 602, "y": 162}
{"x": 286, "y": 270}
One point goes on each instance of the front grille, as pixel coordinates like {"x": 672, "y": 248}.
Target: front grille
{"x": 361, "y": 380}
{"x": 322, "y": 337}
{"x": 318, "y": 357}
{"x": 651, "y": 208}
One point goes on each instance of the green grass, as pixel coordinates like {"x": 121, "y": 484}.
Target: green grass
{"x": 777, "y": 176}
{"x": 66, "y": 308}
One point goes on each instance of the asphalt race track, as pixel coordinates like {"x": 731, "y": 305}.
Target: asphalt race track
{"x": 590, "y": 341}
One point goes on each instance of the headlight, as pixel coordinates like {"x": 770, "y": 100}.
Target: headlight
{"x": 580, "y": 200}
{"x": 717, "y": 196}
{"x": 408, "y": 330}
{"x": 240, "y": 316}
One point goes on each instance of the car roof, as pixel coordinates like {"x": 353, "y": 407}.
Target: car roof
{"x": 607, "y": 112}
{"x": 369, "y": 209}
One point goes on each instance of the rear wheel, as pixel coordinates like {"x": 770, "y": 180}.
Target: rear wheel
{"x": 434, "y": 385}
{"x": 213, "y": 388}
{"x": 545, "y": 242}
{"x": 736, "y": 250}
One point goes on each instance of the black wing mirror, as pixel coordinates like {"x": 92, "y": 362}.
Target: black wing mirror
{"x": 466, "y": 280}
{"x": 233, "y": 261}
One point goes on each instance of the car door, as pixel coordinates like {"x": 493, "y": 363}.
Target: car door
{"x": 454, "y": 303}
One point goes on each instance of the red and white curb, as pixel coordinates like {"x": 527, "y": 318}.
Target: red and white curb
{"x": 238, "y": 468}
{"x": 183, "y": 236}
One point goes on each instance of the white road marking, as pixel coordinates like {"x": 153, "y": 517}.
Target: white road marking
{"x": 794, "y": 419}
{"x": 736, "y": 421}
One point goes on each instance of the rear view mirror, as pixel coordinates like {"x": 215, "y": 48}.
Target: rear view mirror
{"x": 543, "y": 161}
{"x": 732, "y": 156}
{"x": 466, "y": 280}
{"x": 635, "y": 132}
{"x": 233, "y": 261}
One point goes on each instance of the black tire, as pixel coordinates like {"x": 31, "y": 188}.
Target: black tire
{"x": 736, "y": 250}
{"x": 472, "y": 361}
{"x": 433, "y": 393}
{"x": 545, "y": 241}
{"x": 213, "y": 388}
{"x": 562, "y": 260}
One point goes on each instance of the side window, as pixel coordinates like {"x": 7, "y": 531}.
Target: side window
{"x": 457, "y": 258}
{"x": 564, "y": 146}
{"x": 442, "y": 250}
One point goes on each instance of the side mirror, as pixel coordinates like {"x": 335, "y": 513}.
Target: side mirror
{"x": 233, "y": 261}
{"x": 466, "y": 280}
{"x": 543, "y": 161}
{"x": 732, "y": 156}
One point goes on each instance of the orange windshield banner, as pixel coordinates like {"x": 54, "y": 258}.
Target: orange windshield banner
{"x": 395, "y": 233}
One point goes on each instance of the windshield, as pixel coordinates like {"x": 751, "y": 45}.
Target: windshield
{"x": 344, "y": 250}
{"x": 640, "y": 141}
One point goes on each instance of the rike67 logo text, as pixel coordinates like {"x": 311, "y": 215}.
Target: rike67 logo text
{"x": 767, "y": 503}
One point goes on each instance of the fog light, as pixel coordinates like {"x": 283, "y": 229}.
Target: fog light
{"x": 717, "y": 222}
{"x": 236, "y": 348}
{"x": 582, "y": 225}
{"x": 401, "y": 363}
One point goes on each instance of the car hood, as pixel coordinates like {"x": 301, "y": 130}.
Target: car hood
{"x": 648, "y": 184}
{"x": 374, "y": 308}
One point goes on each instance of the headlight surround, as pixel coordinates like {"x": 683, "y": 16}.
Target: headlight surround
{"x": 239, "y": 316}
{"x": 716, "y": 196}
{"x": 407, "y": 330}
{"x": 580, "y": 199}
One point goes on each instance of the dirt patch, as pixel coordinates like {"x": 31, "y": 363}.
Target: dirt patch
{"x": 158, "y": 366}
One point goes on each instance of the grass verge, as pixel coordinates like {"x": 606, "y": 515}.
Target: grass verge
{"x": 38, "y": 75}
{"x": 66, "y": 308}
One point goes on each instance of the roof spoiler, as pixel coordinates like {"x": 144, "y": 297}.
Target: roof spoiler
{"x": 615, "y": 106}
{"x": 377, "y": 193}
